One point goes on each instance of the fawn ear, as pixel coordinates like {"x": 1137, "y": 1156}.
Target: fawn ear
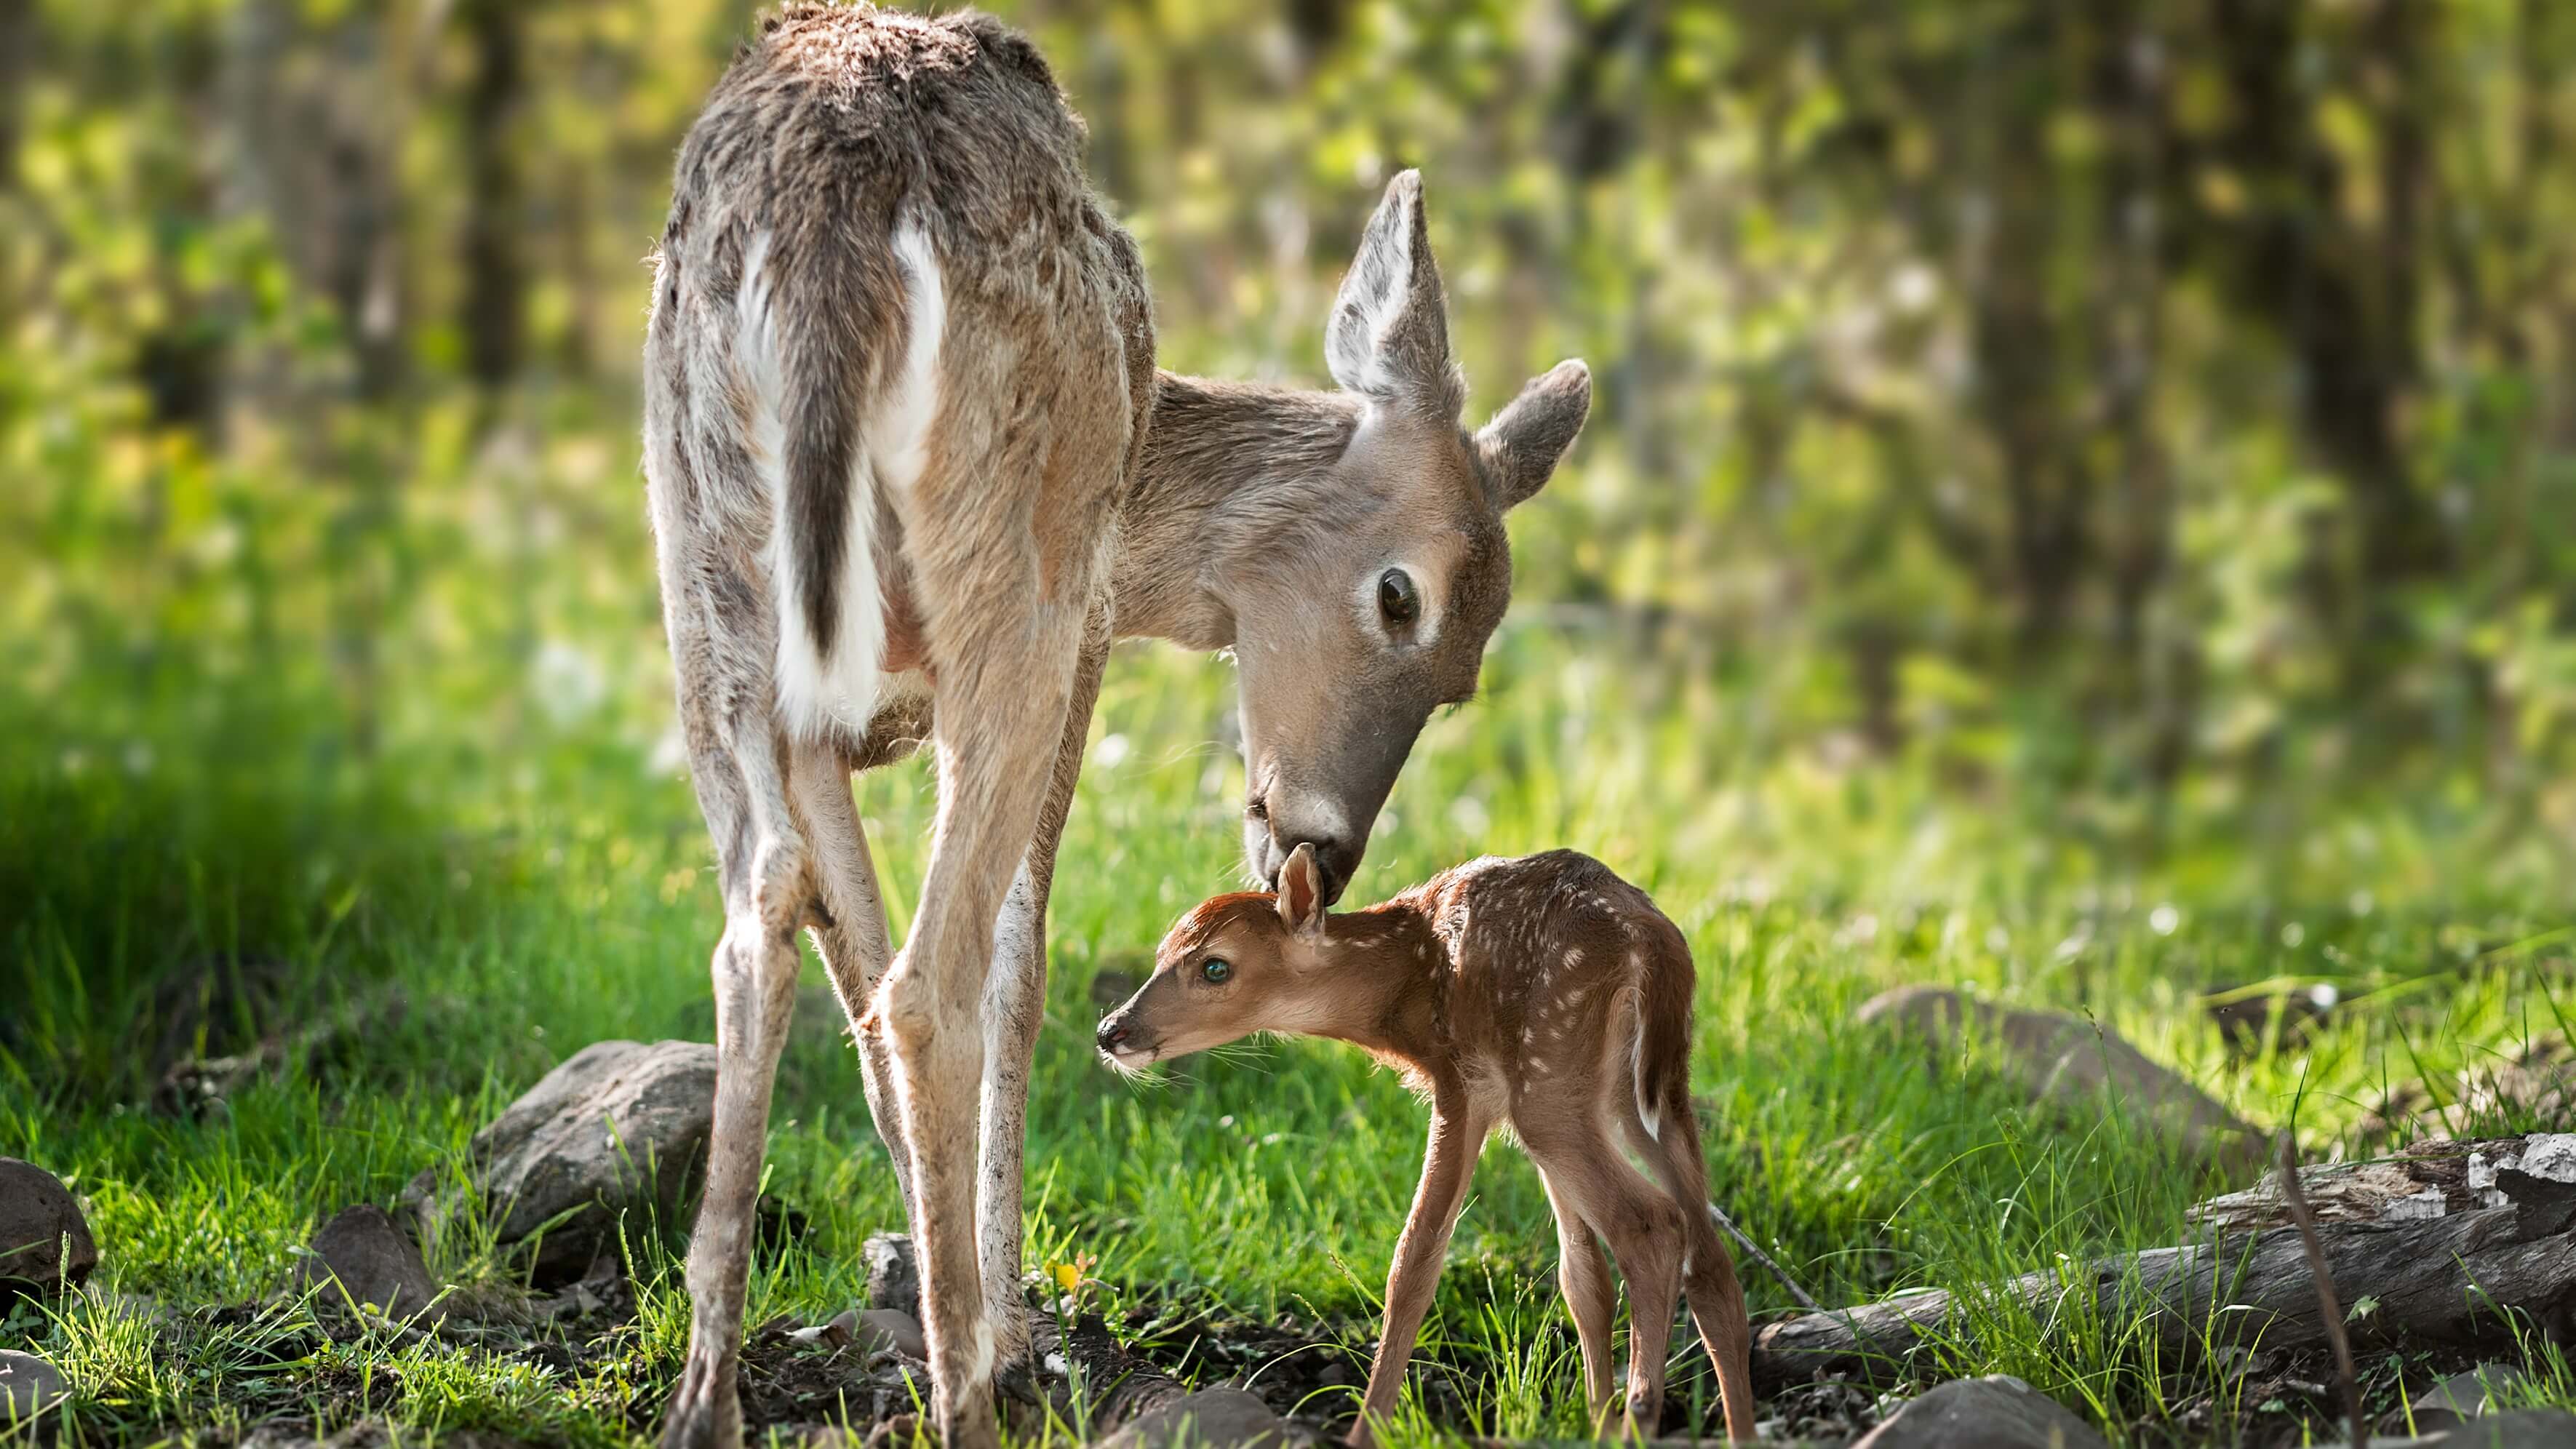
{"x": 1521, "y": 446}
{"x": 1301, "y": 893}
{"x": 1389, "y": 334}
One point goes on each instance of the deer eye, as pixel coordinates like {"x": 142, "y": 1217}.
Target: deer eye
{"x": 1397, "y": 600}
{"x": 1214, "y": 970}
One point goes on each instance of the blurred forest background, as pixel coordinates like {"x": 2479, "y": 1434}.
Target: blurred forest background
{"x": 2149, "y": 424}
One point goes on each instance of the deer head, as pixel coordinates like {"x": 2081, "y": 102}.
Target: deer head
{"x": 1233, "y": 966}
{"x": 1373, "y": 609}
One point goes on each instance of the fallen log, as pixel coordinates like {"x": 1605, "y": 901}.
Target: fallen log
{"x": 2437, "y": 1246}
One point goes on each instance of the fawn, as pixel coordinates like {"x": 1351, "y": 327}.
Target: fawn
{"x": 1541, "y": 993}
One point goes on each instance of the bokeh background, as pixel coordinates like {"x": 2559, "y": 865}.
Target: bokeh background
{"x": 2080, "y": 502}
{"x": 2152, "y": 421}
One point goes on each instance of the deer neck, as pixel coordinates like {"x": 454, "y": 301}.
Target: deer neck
{"x": 1388, "y": 979}
{"x": 1224, "y": 464}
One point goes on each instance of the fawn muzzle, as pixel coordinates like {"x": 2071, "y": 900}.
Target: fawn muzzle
{"x": 1124, "y": 1040}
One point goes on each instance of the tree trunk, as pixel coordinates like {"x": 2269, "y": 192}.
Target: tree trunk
{"x": 17, "y": 44}
{"x": 495, "y": 272}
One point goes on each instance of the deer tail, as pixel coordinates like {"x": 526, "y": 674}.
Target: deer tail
{"x": 804, "y": 347}
{"x": 1662, "y": 1058}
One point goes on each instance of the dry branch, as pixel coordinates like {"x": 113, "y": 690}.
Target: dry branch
{"x": 2448, "y": 1240}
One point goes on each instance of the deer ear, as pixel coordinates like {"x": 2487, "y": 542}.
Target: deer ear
{"x": 1521, "y": 446}
{"x": 1301, "y": 893}
{"x": 1389, "y": 334}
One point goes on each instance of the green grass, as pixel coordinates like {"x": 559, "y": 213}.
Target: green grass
{"x": 556, "y": 892}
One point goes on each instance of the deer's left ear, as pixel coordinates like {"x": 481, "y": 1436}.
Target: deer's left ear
{"x": 1521, "y": 446}
{"x": 1388, "y": 338}
{"x": 1301, "y": 894}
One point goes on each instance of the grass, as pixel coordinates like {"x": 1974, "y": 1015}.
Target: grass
{"x": 553, "y": 892}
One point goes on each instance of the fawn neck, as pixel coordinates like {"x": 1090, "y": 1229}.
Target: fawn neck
{"x": 1387, "y": 974}
{"x": 1223, "y": 463}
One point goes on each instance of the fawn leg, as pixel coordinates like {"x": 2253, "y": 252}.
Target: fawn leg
{"x": 1708, "y": 1271}
{"x": 1015, "y": 1007}
{"x": 1583, "y": 1274}
{"x": 1646, "y": 1236}
{"x": 1002, "y": 695}
{"x": 851, "y": 931}
{"x": 767, "y": 883}
{"x": 1448, "y": 1162}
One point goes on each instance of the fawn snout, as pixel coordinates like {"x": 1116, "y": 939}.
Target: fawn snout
{"x": 1126, "y": 1042}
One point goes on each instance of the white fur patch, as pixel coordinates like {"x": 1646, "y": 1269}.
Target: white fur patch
{"x": 984, "y": 1349}
{"x": 893, "y": 446}
{"x": 898, "y": 431}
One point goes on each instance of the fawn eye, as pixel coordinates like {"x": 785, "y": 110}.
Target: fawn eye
{"x": 1397, "y": 600}
{"x": 1214, "y": 970}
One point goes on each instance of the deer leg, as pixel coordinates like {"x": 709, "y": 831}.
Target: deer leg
{"x": 1014, "y": 1009}
{"x": 1003, "y": 693}
{"x": 766, "y": 879}
{"x": 1583, "y": 1274}
{"x": 1582, "y": 1161}
{"x": 850, "y": 932}
{"x": 1448, "y": 1163}
{"x": 1646, "y": 1235}
{"x": 1708, "y": 1269}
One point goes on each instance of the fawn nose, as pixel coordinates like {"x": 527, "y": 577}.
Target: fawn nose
{"x": 1113, "y": 1034}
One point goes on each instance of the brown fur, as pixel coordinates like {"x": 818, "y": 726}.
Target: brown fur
{"x": 1543, "y": 994}
{"x": 911, "y": 469}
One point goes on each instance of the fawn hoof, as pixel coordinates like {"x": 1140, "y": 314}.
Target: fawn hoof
{"x": 704, "y": 1413}
{"x": 1645, "y": 1416}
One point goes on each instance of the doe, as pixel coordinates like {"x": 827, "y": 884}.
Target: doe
{"x": 1541, "y": 993}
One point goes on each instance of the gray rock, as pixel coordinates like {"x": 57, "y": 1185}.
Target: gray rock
{"x": 28, "y": 1387}
{"x": 1209, "y": 1419}
{"x": 2072, "y": 1065}
{"x": 1996, "y": 1412}
{"x": 618, "y": 1127}
{"x": 2520, "y": 1429}
{"x": 37, "y": 1214}
{"x": 2461, "y": 1397}
{"x": 875, "y": 1330}
{"x": 361, "y": 1258}
{"x": 894, "y": 1277}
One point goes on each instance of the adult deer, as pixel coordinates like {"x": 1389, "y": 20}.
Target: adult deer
{"x": 912, "y": 469}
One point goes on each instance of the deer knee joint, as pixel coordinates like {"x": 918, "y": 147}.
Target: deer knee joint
{"x": 782, "y": 888}
{"x": 907, "y": 1011}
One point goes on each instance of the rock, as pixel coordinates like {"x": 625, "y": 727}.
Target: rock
{"x": 2520, "y": 1429}
{"x": 1208, "y": 1419}
{"x": 894, "y": 1278}
{"x": 877, "y": 1330}
{"x": 2460, "y": 1398}
{"x": 1996, "y": 1412}
{"x": 37, "y": 1215}
{"x": 2071, "y": 1064}
{"x": 28, "y": 1387}
{"x": 371, "y": 1263}
{"x": 618, "y": 1127}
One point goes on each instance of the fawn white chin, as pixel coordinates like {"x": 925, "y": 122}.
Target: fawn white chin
{"x": 1541, "y": 993}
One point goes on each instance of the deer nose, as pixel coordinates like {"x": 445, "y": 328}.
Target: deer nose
{"x": 1113, "y": 1034}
